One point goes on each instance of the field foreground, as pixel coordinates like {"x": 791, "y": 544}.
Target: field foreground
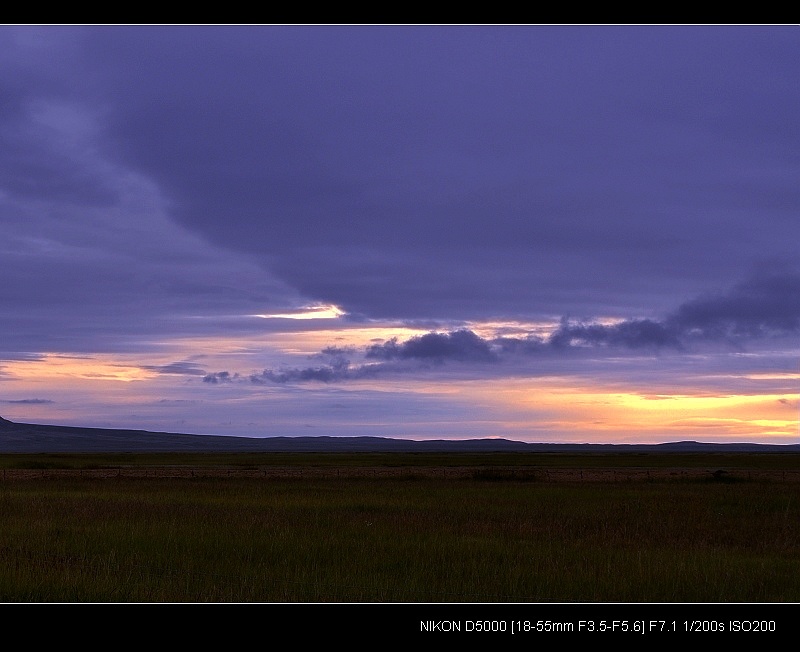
{"x": 400, "y": 528}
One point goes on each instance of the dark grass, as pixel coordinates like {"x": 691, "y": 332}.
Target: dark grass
{"x": 494, "y": 534}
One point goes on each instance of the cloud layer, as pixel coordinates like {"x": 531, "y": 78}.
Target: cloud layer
{"x": 766, "y": 306}
{"x": 270, "y": 227}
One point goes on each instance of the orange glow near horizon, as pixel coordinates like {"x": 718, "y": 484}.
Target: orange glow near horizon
{"x": 604, "y": 415}
{"x": 52, "y": 366}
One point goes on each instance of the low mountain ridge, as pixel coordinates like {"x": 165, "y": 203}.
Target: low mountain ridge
{"x": 42, "y": 438}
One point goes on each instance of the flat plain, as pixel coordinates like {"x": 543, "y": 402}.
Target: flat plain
{"x": 400, "y": 527}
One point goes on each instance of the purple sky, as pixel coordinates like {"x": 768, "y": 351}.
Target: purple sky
{"x": 546, "y": 233}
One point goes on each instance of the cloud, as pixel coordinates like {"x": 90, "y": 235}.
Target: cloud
{"x": 30, "y": 401}
{"x": 220, "y": 377}
{"x": 494, "y": 159}
{"x": 177, "y": 368}
{"x": 337, "y": 352}
{"x": 462, "y": 345}
{"x": 764, "y": 305}
{"x": 337, "y": 370}
{"x": 630, "y": 334}
{"x": 279, "y": 166}
{"x": 324, "y": 374}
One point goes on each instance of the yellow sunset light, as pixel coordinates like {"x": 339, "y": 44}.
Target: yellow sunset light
{"x": 566, "y": 407}
{"x": 320, "y": 311}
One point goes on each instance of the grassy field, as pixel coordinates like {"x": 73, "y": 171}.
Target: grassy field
{"x": 400, "y": 528}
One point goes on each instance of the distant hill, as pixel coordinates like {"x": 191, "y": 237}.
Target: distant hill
{"x": 39, "y": 438}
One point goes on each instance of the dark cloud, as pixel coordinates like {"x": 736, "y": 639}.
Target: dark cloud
{"x": 178, "y": 368}
{"x": 484, "y": 194}
{"x": 631, "y": 334}
{"x": 220, "y": 377}
{"x": 767, "y": 304}
{"x": 324, "y": 373}
{"x": 337, "y": 351}
{"x": 461, "y": 345}
{"x": 482, "y": 197}
{"x": 30, "y": 401}
{"x": 337, "y": 368}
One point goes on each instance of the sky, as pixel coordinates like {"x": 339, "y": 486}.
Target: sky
{"x": 546, "y": 233}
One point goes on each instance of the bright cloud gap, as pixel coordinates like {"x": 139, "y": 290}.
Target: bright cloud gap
{"x": 325, "y": 311}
